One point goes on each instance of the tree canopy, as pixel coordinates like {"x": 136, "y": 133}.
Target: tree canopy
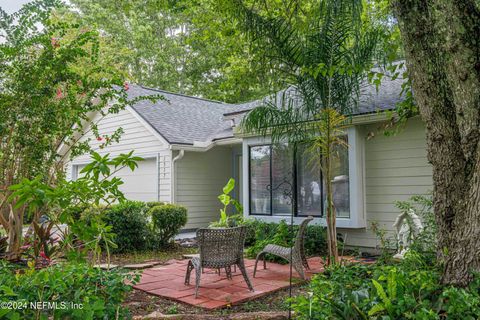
{"x": 181, "y": 46}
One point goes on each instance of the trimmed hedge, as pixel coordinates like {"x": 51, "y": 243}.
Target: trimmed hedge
{"x": 152, "y": 204}
{"x": 142, "y": 226}
{"x": 167, "y": 220}
{"x": 129, "y": 223}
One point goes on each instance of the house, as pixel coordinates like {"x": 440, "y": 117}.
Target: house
{"x": 192, "y": 146}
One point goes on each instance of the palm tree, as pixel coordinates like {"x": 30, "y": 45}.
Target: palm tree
{"x": 323, "y": 54}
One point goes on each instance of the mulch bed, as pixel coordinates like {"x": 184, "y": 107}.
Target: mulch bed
{"x": 272, "y": 306}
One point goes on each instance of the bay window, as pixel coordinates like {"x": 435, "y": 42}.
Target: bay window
{"x": 285, "y": 180}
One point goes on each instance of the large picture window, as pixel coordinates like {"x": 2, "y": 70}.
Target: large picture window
{"x": 285, "y": 181}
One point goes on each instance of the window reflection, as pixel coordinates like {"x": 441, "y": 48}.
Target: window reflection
{"x": 308, "y": 184}
{"x": 260, "y": 180}
{"x": 274, "y": 176}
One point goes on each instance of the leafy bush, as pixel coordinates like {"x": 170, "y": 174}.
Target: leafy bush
{"x": 99, "y": 292}
{"x": 167, "y": 220}
{"x": 130, "y": 225}
{"x": 262, "y": 233}
{"x": 152, "y": 204}
{"x": 410, "y": 289}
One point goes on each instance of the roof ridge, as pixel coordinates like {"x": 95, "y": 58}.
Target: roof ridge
{"x": 183, "y": 95}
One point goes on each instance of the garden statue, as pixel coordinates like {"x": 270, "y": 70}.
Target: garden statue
{"x": 408, "y": 226}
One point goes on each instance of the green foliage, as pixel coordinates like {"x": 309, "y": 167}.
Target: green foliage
{"x": 226, "y": 219}
{"x": 407, "y": 290}
{"x": 152, "y": 204}
{"x": 323, "y": 52}
{"x": 100, "y": 292}
{"x": 95, "y": 190}
{"x": 167, "y": 220}
{"x": 387, "y": 244}
{"x": 191, "y": 47}
{"x": 51, "y": 83}
{"x": 261, "y": 233}
{"x": 130, "y": 225}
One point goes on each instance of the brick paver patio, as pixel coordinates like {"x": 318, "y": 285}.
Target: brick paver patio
{"x": 216, "y": 291}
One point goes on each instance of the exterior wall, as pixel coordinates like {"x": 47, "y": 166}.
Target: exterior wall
{"x": 199, "y": 179}
{"x": 396, "y": 168}
{"x": 152, "y": 179}
{"x": 135, "y": 136}
{"x": 165, "y": 176}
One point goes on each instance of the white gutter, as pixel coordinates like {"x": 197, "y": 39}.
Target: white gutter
{"x": 172, "y": 181}
{"x": 199, "y": 146}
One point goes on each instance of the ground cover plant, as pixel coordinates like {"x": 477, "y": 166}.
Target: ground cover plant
{"x": 81, "y": 291}
{"x": 410, "y": 289}
{"x": 262, "y": 233}
{"x": 392, "y": 289}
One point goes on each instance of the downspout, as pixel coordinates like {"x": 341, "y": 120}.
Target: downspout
{"x": 173, "y": 175}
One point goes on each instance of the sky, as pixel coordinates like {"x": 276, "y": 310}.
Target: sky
{"x": 11, "y": 6}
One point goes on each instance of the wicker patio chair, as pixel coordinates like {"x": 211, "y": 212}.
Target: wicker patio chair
{"x": 218, "y": 249}
{"x": 297, "y": 255}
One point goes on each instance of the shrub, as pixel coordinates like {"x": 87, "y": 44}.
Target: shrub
{"x": 100, "y": 292}
{"x": 152, "y": 204}
{"x": 410, "y": 289}
{"x": 130, "y": 225}
{"x": 262, "y": 233}
{"x": 167, "y": 220}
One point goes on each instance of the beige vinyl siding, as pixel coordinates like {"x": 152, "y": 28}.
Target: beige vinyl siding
{"x": 151, "y": 181}
{"x": 200, "y": 177}
{"x": 396, "y": 168}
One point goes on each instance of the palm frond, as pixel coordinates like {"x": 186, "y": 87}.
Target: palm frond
{"x": 276, "y": 33}
{"x": 326, "y": 61}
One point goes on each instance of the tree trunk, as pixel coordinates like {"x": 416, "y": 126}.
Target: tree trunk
{"x": 15, "y": 234}
{"x": 331, "y": 218}
{"x": 442, "y": 47}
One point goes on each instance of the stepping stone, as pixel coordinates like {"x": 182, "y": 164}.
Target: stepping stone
{"x": 139, "y": 266}
{"x": 106, "y": 266}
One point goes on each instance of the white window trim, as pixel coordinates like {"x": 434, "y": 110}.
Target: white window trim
{"x": 356, "y": 167}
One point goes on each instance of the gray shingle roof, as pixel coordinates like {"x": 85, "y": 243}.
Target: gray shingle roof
{"x": 183, "y": 119}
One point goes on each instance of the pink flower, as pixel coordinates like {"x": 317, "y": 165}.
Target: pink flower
{"x": 126, "y": 86}
{"x": 59, "y": 93}
{"x": 99, "y": 138}
{"x": 54, "y": 42}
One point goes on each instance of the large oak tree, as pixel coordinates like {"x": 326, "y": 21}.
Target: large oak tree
{"x": 442, "y": 47}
